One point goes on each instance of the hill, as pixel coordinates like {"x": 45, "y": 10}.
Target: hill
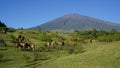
{"x": 73, "y": 54}
{"x": 96, "y": 56}
{"x": 71, "y": 22}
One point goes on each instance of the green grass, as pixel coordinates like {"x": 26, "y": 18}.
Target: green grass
{"x": 98, "y": 55}
{"x": 92, "y": 55}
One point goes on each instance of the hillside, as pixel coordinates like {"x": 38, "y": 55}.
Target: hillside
{"x": 98, "y": 55}
{"x": 71, "y": 22}
{"x": 76, "y": 53}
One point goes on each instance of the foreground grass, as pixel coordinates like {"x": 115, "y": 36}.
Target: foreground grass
{"x": 97, "y": 55}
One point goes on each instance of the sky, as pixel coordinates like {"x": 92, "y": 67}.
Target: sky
{"x": 30, "y": 13}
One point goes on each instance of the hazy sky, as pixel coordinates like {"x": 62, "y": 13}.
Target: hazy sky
{"x": 29, "y": 13}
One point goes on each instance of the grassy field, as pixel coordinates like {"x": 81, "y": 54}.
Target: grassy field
{"x": 91, "y": 55}
{"x": 96, "y": 55}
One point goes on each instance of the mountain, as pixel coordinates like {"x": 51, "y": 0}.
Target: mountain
{"x": 71, "y": 22}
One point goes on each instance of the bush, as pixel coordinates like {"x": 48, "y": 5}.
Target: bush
{"x": 26, "y": 57}
{"x": 11, "y": 30}
{"x": 3, "y": 30}
{"x": 1, "y": 57}
{"x": 109, "y": 38}
{"x": 38, "y": 56}
{"x": 73, "y": 49}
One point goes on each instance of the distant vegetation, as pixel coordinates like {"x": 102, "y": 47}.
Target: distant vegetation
{"x": 3, "y": 28}
{"x": 2, "y": 24}
{"x": 100, "y": 35}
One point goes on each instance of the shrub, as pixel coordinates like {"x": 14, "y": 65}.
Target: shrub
{"x": 76, "y": 48}
{"x": 11, "y": 30}
{"x": 1, "y": 57}
{"x": 26, "y": 57}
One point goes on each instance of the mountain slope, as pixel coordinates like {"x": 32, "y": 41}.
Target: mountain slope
{"x": 74, "y": 21}
{"x": 95, "y": 56}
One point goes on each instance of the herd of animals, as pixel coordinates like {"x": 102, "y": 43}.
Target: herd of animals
{"x": 21, "y": 44}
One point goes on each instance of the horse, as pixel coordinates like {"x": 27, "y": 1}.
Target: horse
{"x": 62, "y": 43}
{"x": 32, "y": 46}
{"x": 51, "y": 43}
{"x": 3, "y": 43}
{"x": 18, "y": 45}
{"x": 25, "y": 46}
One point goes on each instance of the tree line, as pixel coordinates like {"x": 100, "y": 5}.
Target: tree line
{"x": 100, "y": 35}
{"x": 4, "y": 29}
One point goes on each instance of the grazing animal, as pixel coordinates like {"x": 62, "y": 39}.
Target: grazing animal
{"x": 61, "y": 43}
{"x": 25, "y": 46}
{"x": 32, "y": 46}
{"x": 3, "y": 43}
{"x": 51, "y": 43}
{"x": 18, "y": 45}
{"x": 48, "y": 44}
{"x": 70, "y": 42}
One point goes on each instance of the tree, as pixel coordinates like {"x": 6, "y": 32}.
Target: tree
{"x": 3, "y": 28}
{"x": 2, "y": 24}
{"x": 113, "y": 31}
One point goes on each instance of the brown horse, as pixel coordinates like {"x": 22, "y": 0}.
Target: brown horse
{"x": 51, "y": 43}
{"x": 62, "y": 43}
{"x": 25, "y": 46}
